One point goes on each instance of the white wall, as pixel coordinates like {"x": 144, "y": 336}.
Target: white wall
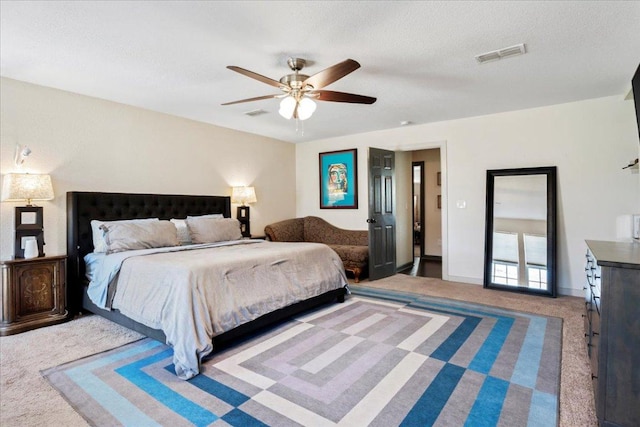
{"x": 589, "y": 142}
{"x": 88, "y": 144}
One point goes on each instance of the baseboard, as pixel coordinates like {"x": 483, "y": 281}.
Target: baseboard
{"x": 461, "y": 279}
{"x": 571, "y": 292}
{"x": 403, "y": 267}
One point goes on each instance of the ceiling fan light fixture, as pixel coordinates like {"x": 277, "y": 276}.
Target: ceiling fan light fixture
{"x": 306, "y": 107}
{"x": 287, "y": 106}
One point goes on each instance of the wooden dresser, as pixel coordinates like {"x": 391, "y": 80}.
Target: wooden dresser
{"x": 33, "y": 293}
{"x": 612, "y": 330}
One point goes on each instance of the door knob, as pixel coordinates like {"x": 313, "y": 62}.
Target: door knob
{"x": 371, "y": 221}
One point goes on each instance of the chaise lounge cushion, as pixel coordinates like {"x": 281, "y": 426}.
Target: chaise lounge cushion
{"x": 352, "y": 246}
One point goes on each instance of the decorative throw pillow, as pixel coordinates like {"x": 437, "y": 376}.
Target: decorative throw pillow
{"x": 99, "y": 243}
{"x": 183, "y": 231}
{"x": 211, "y": 230}
{"x": 139, "y": 235}
{"x": 184, "y": 238}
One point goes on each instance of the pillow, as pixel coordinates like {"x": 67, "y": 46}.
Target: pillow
{"x": 99, "y": 244}
{"x": 184, "y": 238}
{"x": 207, "y": 216}
{"x": 211, "y": 230}
{"x": 183, "y": 231}
{"x": 139, "y": 235}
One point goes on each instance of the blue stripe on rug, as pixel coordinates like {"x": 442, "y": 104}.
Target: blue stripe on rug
{"x": 488, "y": 405}
{"x": 452, "y": 344}
{"x": 525, "y": 372}
{"x": 241, "y": 419}
{"x": 182, "y": 406}
{"x": 490, "y": 349}
{"x": 114, "y": 403}
{"x": 215, "y": 388}
{"x": 430, "y": 404}
{"x": 543, "y": 411}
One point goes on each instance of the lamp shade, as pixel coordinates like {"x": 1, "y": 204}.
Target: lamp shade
{"x": 17, "y": 187}
{"x": 287, "y": 107}
{"x": 306, "y": 107}
{"x": 243, "y": 195}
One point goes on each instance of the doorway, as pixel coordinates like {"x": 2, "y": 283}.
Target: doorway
{"x": 417, "y": 197}
{"x": 427, "y": 208}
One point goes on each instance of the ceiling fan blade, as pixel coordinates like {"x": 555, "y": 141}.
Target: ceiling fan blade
{"x": 256, "y": 76}
{"x": 329, "y": 95}
{"x": 257, "y": 98}
{"x": 331, "y": 74}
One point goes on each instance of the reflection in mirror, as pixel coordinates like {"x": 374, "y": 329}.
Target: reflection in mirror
{"x": 520, "y": 246}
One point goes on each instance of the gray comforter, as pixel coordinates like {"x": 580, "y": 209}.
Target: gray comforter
{"x": 194, "y": 295}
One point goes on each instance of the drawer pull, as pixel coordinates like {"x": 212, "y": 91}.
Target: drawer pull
{"x": 594, "y": 377}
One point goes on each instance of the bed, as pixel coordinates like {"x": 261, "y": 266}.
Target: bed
{"x": 83, "y": 207}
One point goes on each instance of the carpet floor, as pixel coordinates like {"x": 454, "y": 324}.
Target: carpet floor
{"x": 26, "y": 399}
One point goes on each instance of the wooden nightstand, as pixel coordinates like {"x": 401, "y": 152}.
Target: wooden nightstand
{"x": 33, "y": 293}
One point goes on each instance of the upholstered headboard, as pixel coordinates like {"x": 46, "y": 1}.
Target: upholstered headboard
{"x": 82, "y": 207}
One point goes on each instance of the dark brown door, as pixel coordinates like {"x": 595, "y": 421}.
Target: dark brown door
{"x": 382, "y": 220}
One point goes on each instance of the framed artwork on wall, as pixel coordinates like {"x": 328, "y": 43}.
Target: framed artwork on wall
{"x": 339, "y": 179}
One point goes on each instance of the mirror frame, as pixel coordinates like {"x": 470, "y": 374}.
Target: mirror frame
{"x": 550, "y": 172}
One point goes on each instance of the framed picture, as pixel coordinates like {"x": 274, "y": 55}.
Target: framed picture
{"x": 29, "y": 218}
{"x": 339, "y": 179}
{"x": 21, "y": 238}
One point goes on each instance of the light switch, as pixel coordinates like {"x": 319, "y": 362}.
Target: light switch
{"x": 461, "y": 204}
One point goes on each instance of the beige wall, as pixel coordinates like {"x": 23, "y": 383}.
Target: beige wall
{"x": 88, "y": 144}
{"x": 589, "y": 141}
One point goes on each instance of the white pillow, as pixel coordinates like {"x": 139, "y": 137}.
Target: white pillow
{"x": 211, "y": 230}
{"x": 183, "y": 231}
{"x": 99, "y": 243}
{"x": 139, "y": 235}
{"x": 207, "y": 216}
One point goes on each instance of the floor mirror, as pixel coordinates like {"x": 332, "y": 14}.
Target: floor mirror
{"x": 520, "y": 239}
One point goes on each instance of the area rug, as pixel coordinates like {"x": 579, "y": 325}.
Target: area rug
{"x": 382, "y": 358}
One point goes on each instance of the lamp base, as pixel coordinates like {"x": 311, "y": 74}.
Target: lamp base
{"x": 242, "y": 214}
{"x": 29, "y": 226}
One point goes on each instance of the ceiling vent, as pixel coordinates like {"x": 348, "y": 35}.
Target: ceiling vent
{"x": 254, "y": 113}
{"x": 506, "y": 52}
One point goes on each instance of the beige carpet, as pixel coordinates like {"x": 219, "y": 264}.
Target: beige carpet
{"x": 26, "y": 399}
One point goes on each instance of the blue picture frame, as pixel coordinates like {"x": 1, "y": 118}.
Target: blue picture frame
{"x": 339, "y": 179}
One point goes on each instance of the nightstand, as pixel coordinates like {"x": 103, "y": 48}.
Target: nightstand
{"x": 33, "y": 293}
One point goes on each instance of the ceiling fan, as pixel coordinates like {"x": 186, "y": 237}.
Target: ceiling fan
{"x": 299, "y": 90}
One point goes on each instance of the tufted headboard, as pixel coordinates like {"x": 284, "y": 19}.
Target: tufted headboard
{"x": 82, "y": 207}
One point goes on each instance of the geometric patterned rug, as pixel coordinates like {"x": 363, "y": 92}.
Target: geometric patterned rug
{"x": 382, "y": 358}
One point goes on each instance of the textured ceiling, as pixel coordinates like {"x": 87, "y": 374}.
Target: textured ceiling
{"x": 417, "y": 57}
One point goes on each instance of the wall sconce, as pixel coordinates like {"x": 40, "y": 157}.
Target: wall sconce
{"x": 18, "y": 187}
{"x": 22, "y": 152}
{"x": 242, "y": 196}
